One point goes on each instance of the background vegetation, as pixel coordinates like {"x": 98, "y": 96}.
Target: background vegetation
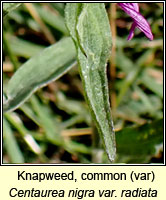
{"x": 135, "y": 73}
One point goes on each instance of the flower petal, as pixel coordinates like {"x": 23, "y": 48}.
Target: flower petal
{"x": 141, "y": 23}
{"x": 134, "y": 6}
{"x": 131, "y": 34}
{"x": 132, "y": 9}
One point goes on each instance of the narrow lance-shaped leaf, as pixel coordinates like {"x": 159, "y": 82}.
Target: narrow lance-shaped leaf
{"x": 89, "y": 27}
{"x": 38, "y": 71}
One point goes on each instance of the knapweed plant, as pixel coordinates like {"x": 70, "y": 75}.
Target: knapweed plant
{"x": 88, "y": 45}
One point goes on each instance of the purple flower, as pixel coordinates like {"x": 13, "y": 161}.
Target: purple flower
{"x": 132, "y": 9}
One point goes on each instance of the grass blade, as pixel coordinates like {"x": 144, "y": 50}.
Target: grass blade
{"x": 11, "y": 145}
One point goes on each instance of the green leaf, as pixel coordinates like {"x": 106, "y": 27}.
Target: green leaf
{"x": 152, "y": 84}
{"x": 138, "y": 142}
{"x": 56, "y": 21}
{"x": 50, "y": 126}
{"x": 38, "y": 71}
{"x": 11, "y": 145}
{"x": 15, "y": 121}
{"x": 89, "y": 27}
{"x": 24, "y": 48}
{"x": 7, "y": 7}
